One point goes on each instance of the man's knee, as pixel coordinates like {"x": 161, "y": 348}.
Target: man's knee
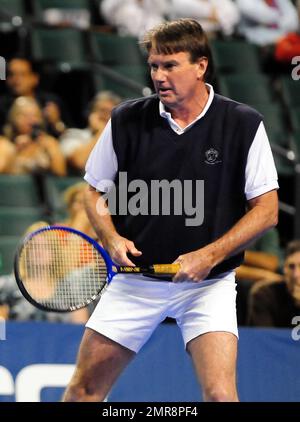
{"x": 220, "y": 393}
{"x": 83, "y": 389}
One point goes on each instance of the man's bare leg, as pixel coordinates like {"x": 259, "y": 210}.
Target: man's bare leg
{"x": 214, "y": 357}
{"x": 100, "y": 362}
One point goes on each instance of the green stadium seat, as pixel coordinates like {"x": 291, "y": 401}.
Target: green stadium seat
{"x": 296, "y": 141}
{"x": 65, "y": 48}
{"x": 39, "y": 6}
{"x": 112, "y": 49}
{"x": 137, "y": 73}
{"x": 290, "y": 91}
{"x": 11, "y": 8}
{"x": 8, "y": 246}
{"x": 235, "y": 56}
{"x": 54, "y": 188}
{"x": 14, "y": 221}
{"x": 283, "y": 165}
{"x": 273, "y": 117}
{"x": 246, "y": 88}
{"x": 106, "y": 80}
{"x": 295, "y": 118}
{"x": 18, "y": 191}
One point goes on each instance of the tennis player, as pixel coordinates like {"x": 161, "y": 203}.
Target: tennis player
{"x": 185, "y": 132}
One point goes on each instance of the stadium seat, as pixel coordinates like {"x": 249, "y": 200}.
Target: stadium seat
{"x": 10, "y": 9}
{"x": 14, "y": 221}
{"x": 235, "y": 56}
{"x": 295, "y": 117}
{"x": 283, "y": 165}
{"x": 65, "y": 48}
{"x": 18, "y": 191}
{"x": 246, "y": 88}
{"x": 273, "y": 117}
{"x": 8, "y": 246}
{"x": 107, "y": 80}
{"x": 39, "y": 6}
{"x": 13, "y": 15}
{"x": 112, "y": 49}
{"x": 54, "y": 187}
{"x": 136, "y": 73}
{"x": 296, "y": 141}
{"x": 290, "y": 91}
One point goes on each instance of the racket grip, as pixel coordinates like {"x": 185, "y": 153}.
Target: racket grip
{"x": 166, "y": 268}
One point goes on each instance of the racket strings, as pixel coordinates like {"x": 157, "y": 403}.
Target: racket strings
{"x": 61, "y": 270}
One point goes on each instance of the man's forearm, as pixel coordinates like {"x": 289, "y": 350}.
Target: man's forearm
{"x": 99, "y": 215}
{"x": 251, "y": 226}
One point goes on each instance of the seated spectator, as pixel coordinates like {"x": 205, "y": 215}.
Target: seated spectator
{"x": 76, "y": 144}
{"x": 275, "y": 304}
{"x": 34, "y": 150}
{"x": 77, "y": 217}
{"x": 263, "y": 22}
{"x": 262, "y": 262}
{"x": 262, "y": 259}
{"x": 288, "y": 46}
{"x": 7, "y": 155}
{"x": 67, "y": 17}
{"x": 14, "y": 306}
{"x": 133, "y": 17}
{"x": 214, "y": 15}
{"x": 23, "y": 80}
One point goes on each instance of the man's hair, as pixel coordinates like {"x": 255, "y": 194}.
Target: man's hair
{"x": 292, "y": 247}
{"x": 181, "y": 35}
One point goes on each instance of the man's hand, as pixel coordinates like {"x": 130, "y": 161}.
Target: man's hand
{"x": 118, "y": 247}
{"x": 194, "y": 266}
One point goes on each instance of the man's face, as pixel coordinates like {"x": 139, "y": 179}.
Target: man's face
{"x": 292, "y": 274}
{"x": 175, "y": 78}
{"x": 21, "y": 80}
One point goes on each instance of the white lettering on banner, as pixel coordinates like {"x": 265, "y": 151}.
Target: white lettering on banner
{"x": 6, "y": 382}
{"x": 38, "y": 377}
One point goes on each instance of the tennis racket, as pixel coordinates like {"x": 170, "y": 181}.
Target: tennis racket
{"x": 60, "y": 269}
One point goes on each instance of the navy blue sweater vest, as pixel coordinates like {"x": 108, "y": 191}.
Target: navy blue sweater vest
{"x": 214, "y": 150}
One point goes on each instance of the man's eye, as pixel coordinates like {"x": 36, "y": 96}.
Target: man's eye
{"x": 169, "y": 65}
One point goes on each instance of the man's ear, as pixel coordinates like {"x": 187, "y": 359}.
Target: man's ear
{"x": 202, "y": 66}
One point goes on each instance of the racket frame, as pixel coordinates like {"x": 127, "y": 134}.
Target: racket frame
{"x": 108, "y": 262}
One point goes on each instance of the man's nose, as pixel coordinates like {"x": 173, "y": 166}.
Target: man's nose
{"x": 159, "y": 75}
{"x": 296, "y": 272}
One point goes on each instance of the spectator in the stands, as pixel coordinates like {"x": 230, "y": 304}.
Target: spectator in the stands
{"x": 288, "y": 46}
{"x": 76, "y": 144}
{"x": 263, "y": 261}
{"x": 263, "y": 22}
{"x": 7, "y": 155}
{"x": 77, "y": 218}
{"x": 134, "y": 17}
{"x": 34, "y": 150}
{"x": 215, "y": 16}
{"x": 275, "y": 304}
{"x": 23, "y": 80}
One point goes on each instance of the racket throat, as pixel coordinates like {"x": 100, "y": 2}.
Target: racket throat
{"x": 151, "y": 269}
{"x": 132, "y": 270}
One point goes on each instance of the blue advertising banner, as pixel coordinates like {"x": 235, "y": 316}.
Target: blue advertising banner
{"x": 37, "y": 360}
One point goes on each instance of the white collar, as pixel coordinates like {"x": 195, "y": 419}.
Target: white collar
{"x": 167, "y": 115}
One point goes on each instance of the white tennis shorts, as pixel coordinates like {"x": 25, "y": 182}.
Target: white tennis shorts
{"x": 132, "y": 306}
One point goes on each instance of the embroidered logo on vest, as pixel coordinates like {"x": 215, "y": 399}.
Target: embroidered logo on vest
{"x": 212, "y": 156}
